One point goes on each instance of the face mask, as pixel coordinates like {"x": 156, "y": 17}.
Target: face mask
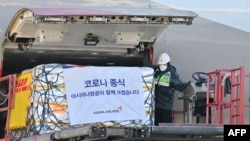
{"x": 163, "y": 67}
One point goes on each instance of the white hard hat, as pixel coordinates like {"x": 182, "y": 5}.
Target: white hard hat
{"x": 164, "y": 59}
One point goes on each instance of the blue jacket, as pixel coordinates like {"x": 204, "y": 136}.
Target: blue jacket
{"x": 164, "y": 94}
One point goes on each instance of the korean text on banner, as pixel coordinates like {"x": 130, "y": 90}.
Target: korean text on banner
{"x": 98, "y": 94}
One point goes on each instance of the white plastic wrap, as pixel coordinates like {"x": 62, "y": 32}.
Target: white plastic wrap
{"x": 48, "y": 111}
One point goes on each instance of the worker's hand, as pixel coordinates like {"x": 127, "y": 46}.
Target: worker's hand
{"x": 182, "y": 86}
{"x": 186, "y": 84}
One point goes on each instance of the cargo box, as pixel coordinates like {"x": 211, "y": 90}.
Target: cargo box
{"x": 48, "y": 106}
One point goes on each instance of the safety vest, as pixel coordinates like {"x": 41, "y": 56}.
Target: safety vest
{"x": 163, "y": 80}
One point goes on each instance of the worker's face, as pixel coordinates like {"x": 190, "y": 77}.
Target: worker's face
{"x": 163, "y": 67}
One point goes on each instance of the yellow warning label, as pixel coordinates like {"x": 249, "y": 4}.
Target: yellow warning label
{"x": 18, "y": 115}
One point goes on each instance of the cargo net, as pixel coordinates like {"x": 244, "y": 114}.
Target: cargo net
{"x": 3, "y": 105}
{"x": 48, "y": 104}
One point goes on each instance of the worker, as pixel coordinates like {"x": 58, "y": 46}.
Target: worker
{"x": 166, "y": 80}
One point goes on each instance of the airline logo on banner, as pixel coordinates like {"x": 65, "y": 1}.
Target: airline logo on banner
{"x": 99, "y": 94}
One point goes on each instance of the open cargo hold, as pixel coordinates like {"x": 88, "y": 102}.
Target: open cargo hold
{"x": 47, "y": 109}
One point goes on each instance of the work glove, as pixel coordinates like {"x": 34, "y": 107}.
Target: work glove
{"x": 185, "y": 84}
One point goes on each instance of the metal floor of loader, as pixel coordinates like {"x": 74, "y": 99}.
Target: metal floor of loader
{"x": 164, "y": 132}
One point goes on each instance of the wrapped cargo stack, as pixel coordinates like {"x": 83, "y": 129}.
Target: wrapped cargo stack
{"x": 48, "y": 110}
